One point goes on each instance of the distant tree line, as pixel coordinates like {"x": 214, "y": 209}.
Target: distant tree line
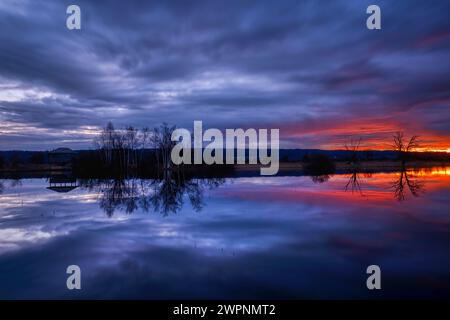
{"x": 146, "y": 152}
{"x": 132, "y": 151}
{"x": 15, "y": 160}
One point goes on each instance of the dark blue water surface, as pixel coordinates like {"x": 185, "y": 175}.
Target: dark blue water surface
{"x": 261, "y": 237}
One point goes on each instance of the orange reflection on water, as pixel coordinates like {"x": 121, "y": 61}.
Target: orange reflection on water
{"x": 434, "y": 171}
{"x": 356, "y": 188}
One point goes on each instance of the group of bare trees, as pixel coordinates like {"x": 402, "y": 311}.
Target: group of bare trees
{"x": 124, "y": 148}
{"x": 399, "y": 144}
{"x": 403, "y": 147}
{"x": 119, "y": 146}
{"x": 164, "y": 196}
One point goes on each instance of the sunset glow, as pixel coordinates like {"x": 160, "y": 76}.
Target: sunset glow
{"x": 285, "y": 71}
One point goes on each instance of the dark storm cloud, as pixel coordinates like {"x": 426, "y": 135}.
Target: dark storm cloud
{"x": 233, "y": 63}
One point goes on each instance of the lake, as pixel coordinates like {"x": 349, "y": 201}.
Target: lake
{"x": 290, "y": 237}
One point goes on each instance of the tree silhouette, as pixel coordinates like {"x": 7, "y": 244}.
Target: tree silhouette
{"x": 404, "y": 147}
{"x": 353, "y": 147}
{"x": 406, "y": 182}
{"x": 353, "y": 183}
{"x": 160, "y": 195}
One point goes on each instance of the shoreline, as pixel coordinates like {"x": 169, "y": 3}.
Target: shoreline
{"x": 344, "y": 166}
{"x": 246, "y": 170}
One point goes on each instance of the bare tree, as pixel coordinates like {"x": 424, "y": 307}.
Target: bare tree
{"x": 143, "y": 141}
{"x": 123, "y": 149}
{"x": 161, "y": 140}
{"x": 404, "y": 181}
{"x": 353, "y": 147}
{"x": 106, "y": 142}
{"x": 145, "y": 137}
{"x": 403, "y": 146}
{"x": 131, "y": 142}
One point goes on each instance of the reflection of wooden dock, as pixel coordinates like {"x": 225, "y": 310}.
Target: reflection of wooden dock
{"x": 62, "y": 185}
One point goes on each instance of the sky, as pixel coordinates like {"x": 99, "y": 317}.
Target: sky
{"x": 310, "y": 68}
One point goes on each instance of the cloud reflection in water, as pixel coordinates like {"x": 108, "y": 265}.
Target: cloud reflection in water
{"x": 278, "y": 237}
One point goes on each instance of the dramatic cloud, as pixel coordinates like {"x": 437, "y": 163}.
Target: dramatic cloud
{"x": 310, "y": 68}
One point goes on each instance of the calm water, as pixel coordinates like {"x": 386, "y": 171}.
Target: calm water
{"x": 274, "y": 237}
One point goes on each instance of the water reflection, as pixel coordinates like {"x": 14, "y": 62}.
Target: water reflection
{"x": 404, "y": 180}
{"x": 357, "y": 181}
{"x": 353, "y": 183}
{"x": 257, "y": 238}
{"x": 168, "y": 195}
{"x": 62, "y": 184}
{"x": 13, "y": 183}
{"x": 164, "y": 196}
{"x": 407, "y": 180}
{"x": 320, "y": 178}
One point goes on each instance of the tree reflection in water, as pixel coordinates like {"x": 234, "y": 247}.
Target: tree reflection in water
{"x": 160, "y": 195}
{"x": 13, "y": 183}
{"x": 405, "y": 182}
{"x": 355, "y": 181}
